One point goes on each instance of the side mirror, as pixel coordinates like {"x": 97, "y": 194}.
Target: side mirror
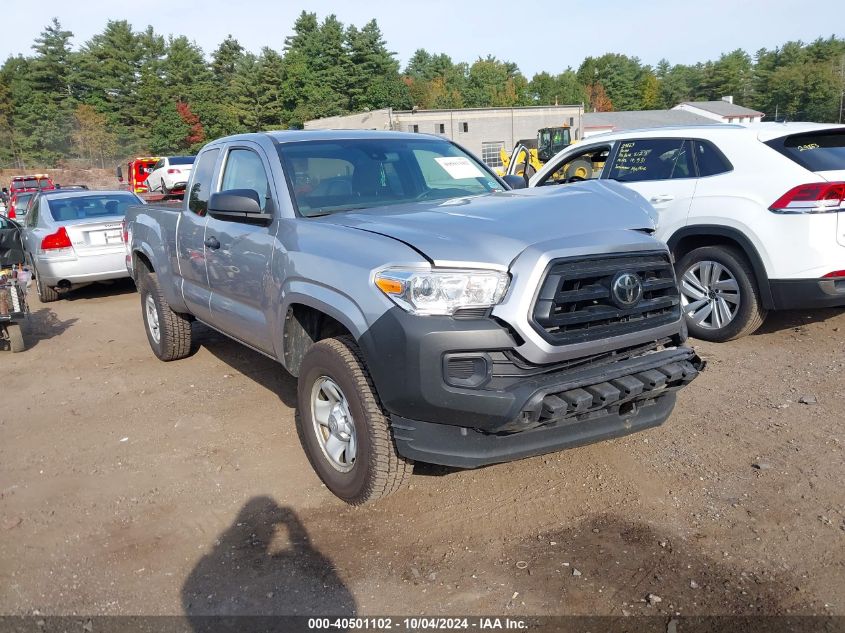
{"x": 515, "y": 182}
{"x": 238, "y": 205}
{"x": 119, "y": 174}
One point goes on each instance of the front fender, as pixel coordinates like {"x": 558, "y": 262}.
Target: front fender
{"x": 327, "y": 300}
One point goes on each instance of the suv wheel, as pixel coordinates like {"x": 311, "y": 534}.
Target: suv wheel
{"x": 168, "y": 332}
{"x": 342, "y": 426}
{"x": 719, "y": 294}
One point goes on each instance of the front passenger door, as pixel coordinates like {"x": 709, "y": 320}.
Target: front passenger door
{"x": 662, "y": 171}
{"x": 239, "y": 254}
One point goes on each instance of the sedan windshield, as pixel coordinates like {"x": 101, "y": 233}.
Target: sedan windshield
{"x": 66, "y": 209}
{"x": 343, "y": 175}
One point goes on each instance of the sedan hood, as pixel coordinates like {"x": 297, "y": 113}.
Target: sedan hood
{"x": 496, "y": 228}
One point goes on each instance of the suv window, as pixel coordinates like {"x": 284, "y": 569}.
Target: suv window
{"x": 710, "y": 160}
{"x": 816, "y": 151}
{"x": 584, "y": 165}
{"x": 201, "y": 185}
{"x": 244, "y": 170}
{"x": 652, "y": 159}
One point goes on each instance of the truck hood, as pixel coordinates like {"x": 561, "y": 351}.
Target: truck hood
{"x": 495, "y": 228}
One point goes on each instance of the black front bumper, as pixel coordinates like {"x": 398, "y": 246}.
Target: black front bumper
{"x": 519, "y": 409}
{"x": 467, "y": 448}
{"x": 798, "y": 294}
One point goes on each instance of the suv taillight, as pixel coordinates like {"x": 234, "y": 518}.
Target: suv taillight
{"x": 816, "y": 197}
{"x": 12, "y": 214}
{"x": 836, "y": 274}
{"x": 57, "y": 240}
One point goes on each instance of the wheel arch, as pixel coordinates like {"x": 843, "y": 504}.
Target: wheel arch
{"x": 692, "y": 237}
{"x": 312, "y": 317}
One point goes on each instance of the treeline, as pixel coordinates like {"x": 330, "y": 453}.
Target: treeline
{"x": 127, "y": 92}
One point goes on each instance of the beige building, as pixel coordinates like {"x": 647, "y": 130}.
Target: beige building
{"x": 483, "y": 131}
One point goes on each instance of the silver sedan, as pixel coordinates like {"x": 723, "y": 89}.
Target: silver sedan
{"x": 72, "y": 238}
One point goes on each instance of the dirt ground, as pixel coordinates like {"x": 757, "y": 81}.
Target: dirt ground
{"x": 131, "y": 486}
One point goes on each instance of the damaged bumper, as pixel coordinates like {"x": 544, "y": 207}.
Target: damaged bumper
{"x": 561, "y": 410}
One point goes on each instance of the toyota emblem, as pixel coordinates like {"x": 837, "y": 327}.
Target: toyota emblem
{"x": 627, "y": 289}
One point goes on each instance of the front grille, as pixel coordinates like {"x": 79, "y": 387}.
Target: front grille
{"x": 575, "y": 302}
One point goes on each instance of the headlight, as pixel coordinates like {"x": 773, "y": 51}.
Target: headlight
{"x": 442, "y": 291}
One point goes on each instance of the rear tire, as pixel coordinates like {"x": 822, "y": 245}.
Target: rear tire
{"x": 164, "y": 190}
{"x": 45, "y": 293}
{"x": 16, "y": 342}
{"x": 168, "y": 332}
{"x": 374, "y": 469}
{"x": 735, "y": 293}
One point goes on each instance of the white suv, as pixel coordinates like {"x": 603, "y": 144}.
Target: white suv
{"x": 171, "y": 174}
{"x": 754, "y": 216}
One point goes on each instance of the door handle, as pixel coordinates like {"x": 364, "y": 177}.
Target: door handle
{"x": 663, "y": 197}
{"x": 212, "y": 243}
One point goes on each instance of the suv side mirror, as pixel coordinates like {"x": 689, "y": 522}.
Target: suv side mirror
{"x": 515, "y": 181}
{"x": 238, "y": 205}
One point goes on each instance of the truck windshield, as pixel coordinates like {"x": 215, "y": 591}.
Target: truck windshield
{"x": 31, "y": 183}
{"x": 342, "y": 175}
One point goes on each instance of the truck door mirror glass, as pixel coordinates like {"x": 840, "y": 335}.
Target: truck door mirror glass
{"x": 238, "y": 205}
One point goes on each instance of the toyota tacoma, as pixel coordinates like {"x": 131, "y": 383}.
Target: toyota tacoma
{"x": 428, "y": 311}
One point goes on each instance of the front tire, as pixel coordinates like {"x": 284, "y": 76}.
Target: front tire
{"x": 342, "y": 426}
{"x": 168, "y": 332}
{"x": 719, "y": 294}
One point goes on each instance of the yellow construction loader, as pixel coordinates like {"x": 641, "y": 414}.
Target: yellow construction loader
{"x": 529, "y": 155}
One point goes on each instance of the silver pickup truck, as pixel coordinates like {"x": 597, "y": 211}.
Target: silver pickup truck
{"x": 428, "y": 311}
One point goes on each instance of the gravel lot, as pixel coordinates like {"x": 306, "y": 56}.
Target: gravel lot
{"x": 131, "y": 486}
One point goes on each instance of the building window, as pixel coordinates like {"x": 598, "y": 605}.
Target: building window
{"x": 465, "y": 126}
{"x": 440, "y": 128}
{"x": 414, "y": 128}
{"x": 490, "y": 153}
{"x": 571, "y": 121}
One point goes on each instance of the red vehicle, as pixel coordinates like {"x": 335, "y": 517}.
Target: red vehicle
{"x": 35, "y": 182}
{"x": 136, "y": 173}
{"x": 18, "y": 203}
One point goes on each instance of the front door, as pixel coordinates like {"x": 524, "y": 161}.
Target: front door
{"x": 239, "y": 255}
{"x": 661, "y": 170}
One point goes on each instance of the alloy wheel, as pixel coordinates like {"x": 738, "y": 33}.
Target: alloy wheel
{"x": 710, "y": 295}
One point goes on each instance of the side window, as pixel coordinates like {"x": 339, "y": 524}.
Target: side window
{"x": 710, "y": 160}
{"x": 201, "y": 184}
{"x": 32, "y": 216}
{"x": 159, "y": 165}
{"x": 652, "y": 159}
{"x": 584, "y": 165}
{"x": 244, "y": 170}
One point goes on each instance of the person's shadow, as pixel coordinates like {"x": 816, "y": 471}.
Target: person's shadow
{"x": 263, "y": 565}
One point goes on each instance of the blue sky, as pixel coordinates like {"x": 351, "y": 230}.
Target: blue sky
{"x": 537, "y": 36}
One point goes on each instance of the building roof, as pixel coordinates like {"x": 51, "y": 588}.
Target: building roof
{"x": 721, "y": 107}
{"x": 637, "y": 119}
